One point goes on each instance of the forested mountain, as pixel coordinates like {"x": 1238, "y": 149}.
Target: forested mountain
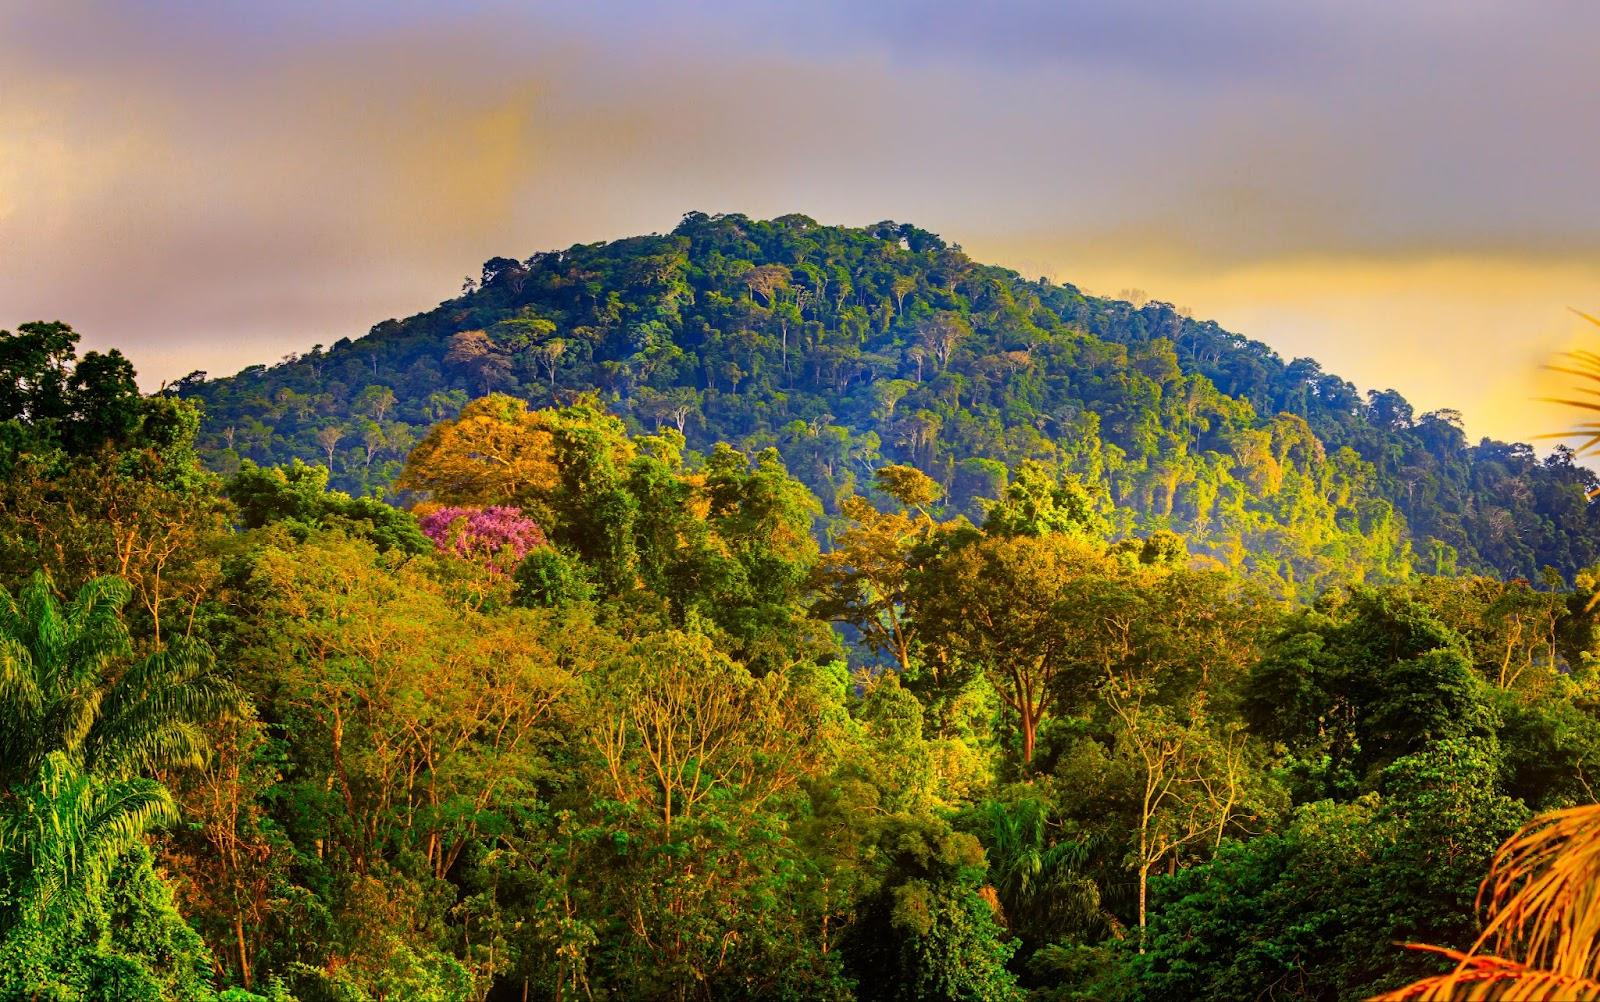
{"x": 851, "y": 348}
{"x": 603, "y": 717}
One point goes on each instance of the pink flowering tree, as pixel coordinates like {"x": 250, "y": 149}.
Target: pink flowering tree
{"x": 497, "y": 536}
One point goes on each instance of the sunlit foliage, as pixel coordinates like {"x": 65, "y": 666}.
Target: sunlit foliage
{"x": 825, "y": 617}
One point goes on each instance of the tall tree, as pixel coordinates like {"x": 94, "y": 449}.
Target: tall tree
{"x": 80, "y": 732}
{"x": 65, "y": 688}
{"x": 1015, "y": 608}
{"x": 863, "y": 580}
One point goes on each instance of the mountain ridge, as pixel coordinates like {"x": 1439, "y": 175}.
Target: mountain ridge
{"x": 850, "y": 347}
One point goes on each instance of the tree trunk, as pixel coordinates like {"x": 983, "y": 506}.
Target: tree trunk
{"x": 244, "y": 957}
{"x": 1144, "y": 886}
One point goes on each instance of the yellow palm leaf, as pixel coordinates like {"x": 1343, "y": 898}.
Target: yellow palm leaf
{"x": 1542, "y": 896}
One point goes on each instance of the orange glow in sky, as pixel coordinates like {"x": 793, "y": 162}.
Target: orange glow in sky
{"x": 1402, "y": 191}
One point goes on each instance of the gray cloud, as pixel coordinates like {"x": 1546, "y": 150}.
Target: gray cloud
{"x": 213, "y": 185}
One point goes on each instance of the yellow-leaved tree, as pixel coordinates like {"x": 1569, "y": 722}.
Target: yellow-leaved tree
{"x": 496, "y": 451}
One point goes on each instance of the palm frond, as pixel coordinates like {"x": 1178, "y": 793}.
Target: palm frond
{"x": 97, "y": 636}
{"x": 1488, "y": 978}
{"x": 1543, "y": 891}
{"x": 152, "y": 716}
{"x": 1542, "y": 896}
{"x": 170, "y": 745}
{"x": 1584, "y": 315}
{"x": 61, "y": 687}
{"x": 1584, "y": 365}
{"x": 1587, "y": 405}
{"x": 66, "y": 830}
{"x": 21, "y": 697}
{"x": 42, "y": 629}
{"x": 1585, "y": 373}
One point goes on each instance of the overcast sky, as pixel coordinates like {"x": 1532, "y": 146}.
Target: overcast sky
{"x": 1405, "y": 191}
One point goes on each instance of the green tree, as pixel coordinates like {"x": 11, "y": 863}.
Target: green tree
{"x": 84, "y": 403}
{"x": 1316, "y": 910}
{"x": 932, "y": 930}
{"x": 865, "y": 577}
{"x": 1370, "y": 679}
{"x": 1017, "y": 609}
{"x": 81, "y": 730}
{"x": 694, "y": 769}
{"x": 1037, "y": 503}
{"x": 64, "y": 688}
{"x": 297, "y": 497}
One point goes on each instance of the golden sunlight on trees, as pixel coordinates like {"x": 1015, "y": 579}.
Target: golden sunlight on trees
{"x": 855, "y": 623}
{"x": 863, "y": 579}
{"x": 494, "y": 452}
{"x": 1030, "y": 650}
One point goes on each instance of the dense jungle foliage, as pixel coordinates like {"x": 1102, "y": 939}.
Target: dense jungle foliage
{"x": 849, "y": 349}
{"x": 601, "y": 717}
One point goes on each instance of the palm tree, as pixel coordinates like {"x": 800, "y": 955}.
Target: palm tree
{"x": 78, "y": 734}
{"x": 61, "y": 690}
{"x": 1038, "y": 884}
{"x": 64, "y": 833}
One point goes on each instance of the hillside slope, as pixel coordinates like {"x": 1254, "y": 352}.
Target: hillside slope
{"x": 850, "y": 347}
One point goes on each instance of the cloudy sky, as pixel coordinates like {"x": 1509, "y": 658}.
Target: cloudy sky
{"x": 1405, "y": 191}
